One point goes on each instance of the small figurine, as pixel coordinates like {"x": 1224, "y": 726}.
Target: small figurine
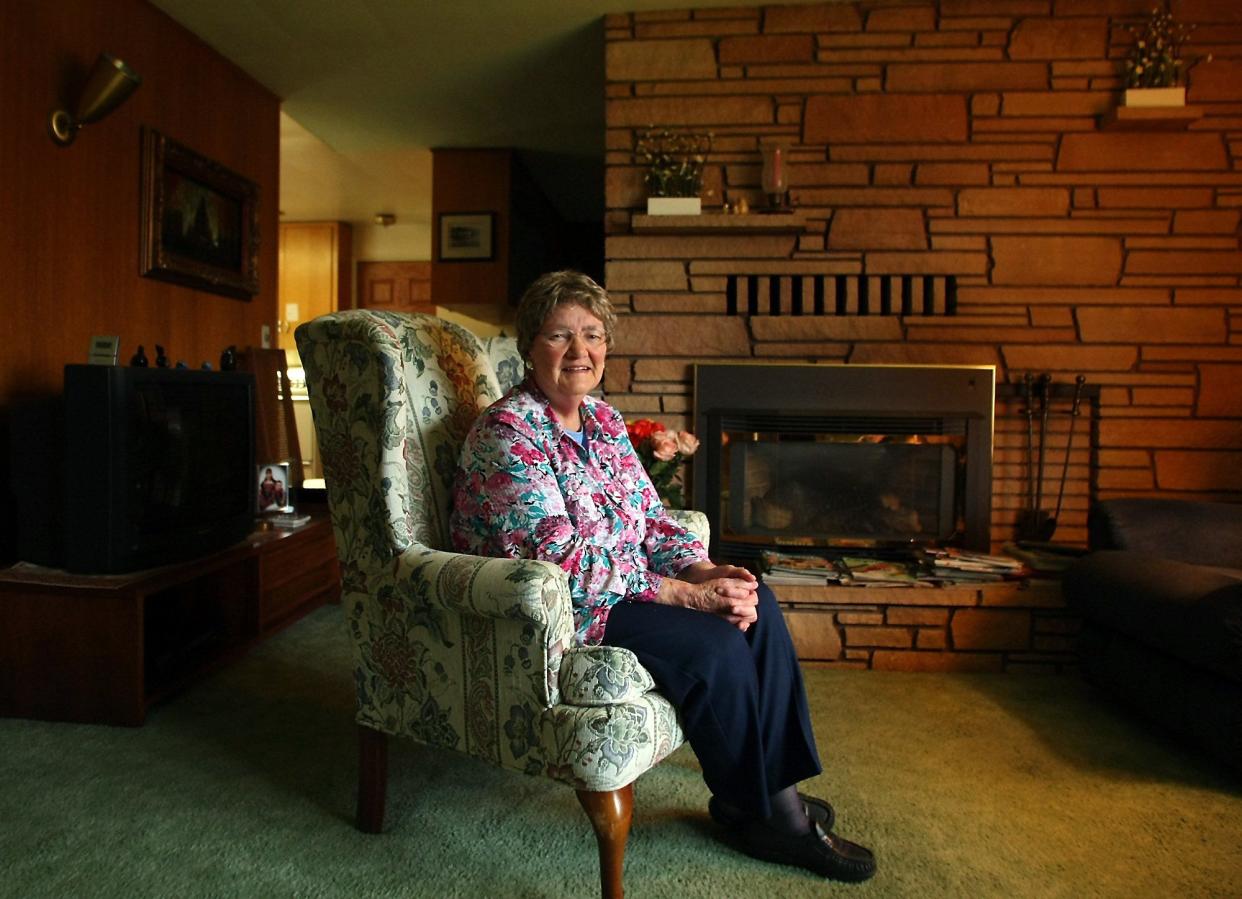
{"x": 228, "y": 359}
{"x": 206, "y": 366}
{"x": 161, "y": 361}
{"x": 181, "y": 364}
{"x": 139, "y": 359}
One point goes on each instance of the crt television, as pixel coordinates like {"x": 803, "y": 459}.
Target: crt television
{"x": 151, "y": 466}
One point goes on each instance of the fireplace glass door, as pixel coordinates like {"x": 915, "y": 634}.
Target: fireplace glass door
{"x": 843, "y": 483}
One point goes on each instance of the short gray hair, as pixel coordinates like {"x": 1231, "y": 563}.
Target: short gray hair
{"x": 551, "y": 290}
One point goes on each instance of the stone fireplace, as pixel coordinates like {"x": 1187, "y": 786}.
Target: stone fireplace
{"x": 859, "y": 456}
{"x": 963, "y": 194}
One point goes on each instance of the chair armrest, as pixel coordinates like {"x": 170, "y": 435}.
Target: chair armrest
{"x": 515, "y": 589}
{"x": 526, "y": 601}
{"x": 693, "y": 521}
{"x": 602, "y": 675}
{"x": 1200, "y": 533}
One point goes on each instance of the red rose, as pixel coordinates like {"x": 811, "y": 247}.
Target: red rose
{"x": 641, "y": 430}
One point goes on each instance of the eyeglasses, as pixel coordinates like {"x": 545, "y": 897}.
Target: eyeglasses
{"x": 560, "y": 339}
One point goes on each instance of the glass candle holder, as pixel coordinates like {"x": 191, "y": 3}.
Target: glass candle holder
{"x": 775, "y": 176}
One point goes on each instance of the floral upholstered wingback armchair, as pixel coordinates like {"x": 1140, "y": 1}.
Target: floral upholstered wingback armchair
{"x": 458, "y": 651}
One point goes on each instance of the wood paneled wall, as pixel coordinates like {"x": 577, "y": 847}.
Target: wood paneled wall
{"x": 466, "y": 180}
{"x": 529, "y": 237}
{"x": 69, "y": 217}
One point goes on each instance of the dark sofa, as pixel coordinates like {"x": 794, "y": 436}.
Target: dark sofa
{"x": 1161, "y": 600}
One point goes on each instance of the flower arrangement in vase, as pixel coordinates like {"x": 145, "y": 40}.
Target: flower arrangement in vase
{"x": 1155, "y": 66}
{"x": 663, "y": 452}
{"x": 674, "y": 161}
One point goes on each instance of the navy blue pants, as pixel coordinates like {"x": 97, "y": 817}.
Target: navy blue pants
{"x": 739, "y": 695}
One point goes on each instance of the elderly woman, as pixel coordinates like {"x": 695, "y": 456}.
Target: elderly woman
{"x": 548, "y": 472}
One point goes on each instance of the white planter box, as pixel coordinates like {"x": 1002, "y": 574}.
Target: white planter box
{"x": 1147, "y": 97}
{"x": 674, "y": 206}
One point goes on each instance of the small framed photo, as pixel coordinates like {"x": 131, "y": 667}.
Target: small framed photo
{"x": 466, "y": 236}
{"x": 273, "y": 493}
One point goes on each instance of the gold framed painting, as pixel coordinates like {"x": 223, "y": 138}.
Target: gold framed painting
{"x": 200, "y": 220}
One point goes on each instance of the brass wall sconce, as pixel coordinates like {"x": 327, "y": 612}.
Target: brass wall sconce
{"x": 110, "y": 83}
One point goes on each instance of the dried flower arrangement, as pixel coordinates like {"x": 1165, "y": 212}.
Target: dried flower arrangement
{"x": 674, "y": 161}
{"x": 1156, "y": 58}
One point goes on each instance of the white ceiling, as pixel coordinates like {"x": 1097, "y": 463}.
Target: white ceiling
{"x": 368, "y": 86}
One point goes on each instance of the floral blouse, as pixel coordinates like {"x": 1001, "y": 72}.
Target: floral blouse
{"x": 526, "y": 489}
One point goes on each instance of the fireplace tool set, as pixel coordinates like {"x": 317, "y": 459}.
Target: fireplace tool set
{"x": 1034, "y": 522}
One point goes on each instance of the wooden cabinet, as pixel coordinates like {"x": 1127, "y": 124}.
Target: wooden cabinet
{"x": 104, "y": 649}
{"x": 316, "y": 273}
{"x": 295, "y": 575}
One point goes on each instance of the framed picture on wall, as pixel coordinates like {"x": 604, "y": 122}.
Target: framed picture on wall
{"x": 200, "y": 221}
{"x": 466, "y": 235}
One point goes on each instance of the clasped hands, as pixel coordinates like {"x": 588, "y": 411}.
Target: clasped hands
{"x": 725, "y": 590}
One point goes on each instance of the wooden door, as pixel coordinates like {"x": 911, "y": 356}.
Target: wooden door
{"x": 395, "y": 286}
{"x": 315, "y": 273}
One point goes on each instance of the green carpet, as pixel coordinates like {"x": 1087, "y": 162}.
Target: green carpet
{"x": 964, "y": 785}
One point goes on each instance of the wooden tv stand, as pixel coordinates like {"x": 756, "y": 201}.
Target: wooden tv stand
{"x": 103, "y": 649}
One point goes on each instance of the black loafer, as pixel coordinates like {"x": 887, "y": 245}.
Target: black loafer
{"x": 818, "y": 810}
{"x": 826, "y": 854}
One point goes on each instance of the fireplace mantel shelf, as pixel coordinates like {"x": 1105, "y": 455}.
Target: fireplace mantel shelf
{"x": 1032, "y": 593}
{"x": 762, "y": 223}
{"x": 1151, "y": 118}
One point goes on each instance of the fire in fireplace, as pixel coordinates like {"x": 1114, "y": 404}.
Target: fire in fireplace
{"x": 844, "y": 456}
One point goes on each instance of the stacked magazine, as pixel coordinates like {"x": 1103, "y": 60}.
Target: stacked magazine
{"x": 926, "y": 568}
{"x": 961, "y": 566}
{"x": 1048, "y": 560}
{"x": 858, "y": 570}
{"x": 794, "y": 569}
{"x": 868, "y": 571}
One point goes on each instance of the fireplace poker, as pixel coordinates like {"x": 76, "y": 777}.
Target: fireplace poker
{"x": 1044, "y": 388}
{"x": 1050, "y": 526}
{"x": 1028, "y": 397}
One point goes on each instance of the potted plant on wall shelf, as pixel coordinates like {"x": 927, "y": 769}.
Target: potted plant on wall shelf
{"x": 674, "y": 162}
{"x": 1155, "y": 66}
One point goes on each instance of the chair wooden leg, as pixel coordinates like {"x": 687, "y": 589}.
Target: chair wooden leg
{"x": 610, "y": 813}
{"x": 372, "y": 778}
